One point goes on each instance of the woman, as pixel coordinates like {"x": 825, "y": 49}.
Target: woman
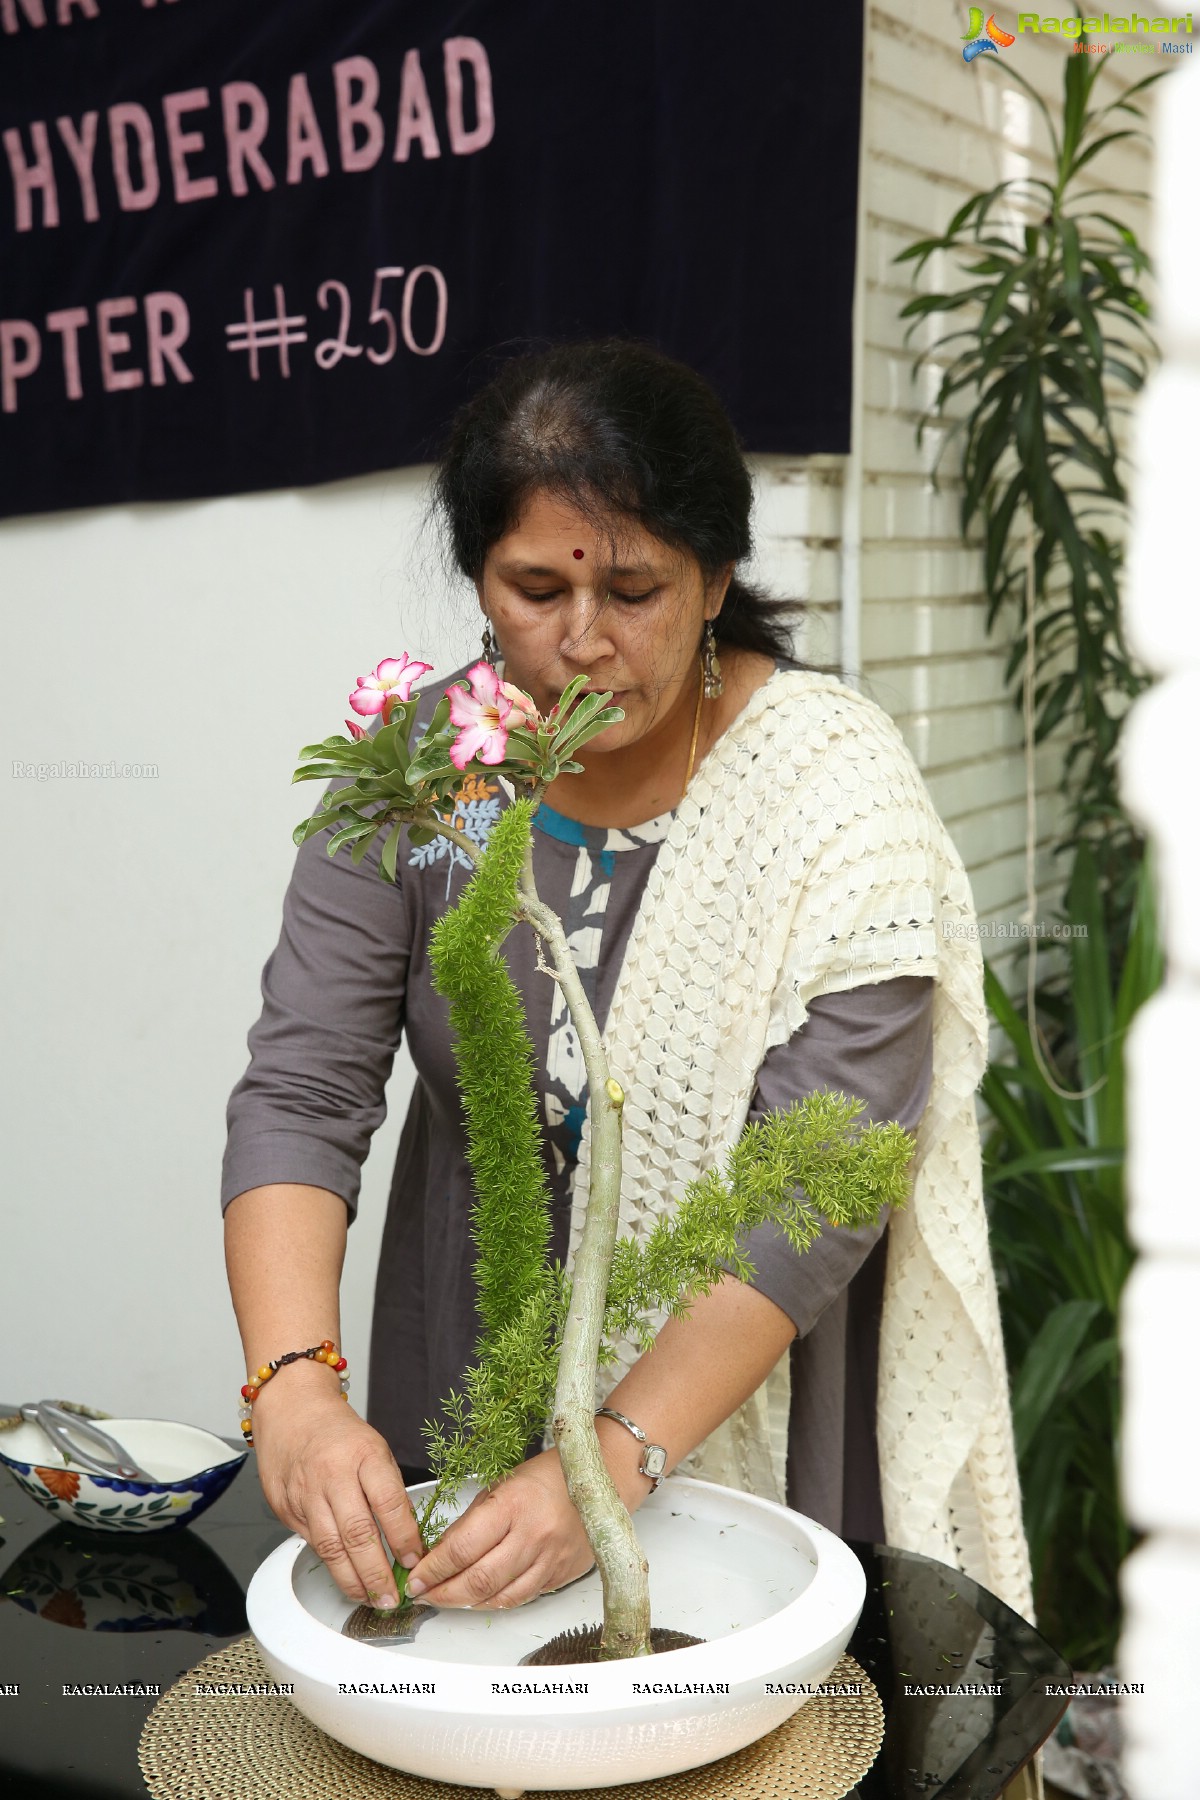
{"x": 752, "y": 879}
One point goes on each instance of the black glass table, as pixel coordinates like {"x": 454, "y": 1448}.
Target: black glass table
{"x": 80, "y": 1608}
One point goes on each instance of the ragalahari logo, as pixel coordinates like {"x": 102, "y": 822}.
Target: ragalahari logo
{"x": 984, "y": 37}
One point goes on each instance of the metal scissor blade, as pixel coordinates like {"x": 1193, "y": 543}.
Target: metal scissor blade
{"x": 65, "y": 1428}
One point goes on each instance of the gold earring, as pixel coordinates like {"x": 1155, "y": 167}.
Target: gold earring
{"x": 714, "y": 681}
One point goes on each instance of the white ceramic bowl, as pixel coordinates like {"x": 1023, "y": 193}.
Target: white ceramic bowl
{"x": 191, "y": 1467}
{"x": 775, "y": 1595}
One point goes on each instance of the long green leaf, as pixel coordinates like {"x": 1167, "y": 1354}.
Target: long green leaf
{"x": 1097, "y": 457}
{"x": 1085, "y": 316}
{"x": 598, "y": 722}
{"x": 387, "y": 862}
{"x": 1124, "y": 102}
{"x": 1141, "y": 977}
{"x": 1000, "y": 297}
{"x": 1045, "y": 1365}
{"x": 347, "y": 749}
{"x": 327, "y": 771}
{"x": 986, "y": 449}
{"x": 1042, "y": 1162}
{"x": 929, "y": 303}
{"x": 1090, "y": 981}
{"x": 320, "y": 821}
{"x": 1043, "y": 1491}
{"x": 1073, "y": 351}
{"x": 1071, "y": 541}
{"x": 349, "y": 834}
{"x": 1099, "y": 554}
{"x": 1133, "y": 377}
{"x": 1076, "y": 82}
{"x": 1050, "y": 710}
{"x": 576, "y": 725}
{"x": 391, "y": 741}
{"x": 364, "y": 844}
{"x": 1094, "y": 1360}
{"x": 999, "y": 526}
{"x": 1016, "y": 1029}
{"x": 1094, "y": 149}
{"x": 1072, "y": 266}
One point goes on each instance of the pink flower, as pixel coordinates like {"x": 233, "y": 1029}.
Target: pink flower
{"x": 521, "y": 702}
{"x": 388, "y": 686}
{"x": 356, "y": 731}
{"x": 483, "y": 717}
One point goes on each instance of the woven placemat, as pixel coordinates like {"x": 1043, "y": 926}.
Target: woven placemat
{"x": 263, "y": 1748}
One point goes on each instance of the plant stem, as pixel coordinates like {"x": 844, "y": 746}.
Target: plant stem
{"x": 605, "y": 1519}
{"x": 431, "y": 821}
{"x": 604, "y": 1516}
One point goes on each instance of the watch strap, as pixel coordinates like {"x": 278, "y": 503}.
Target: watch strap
{"x": 654, "y": 1456}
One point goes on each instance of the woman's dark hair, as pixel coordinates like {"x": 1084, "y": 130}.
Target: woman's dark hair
{"x": 619, "y": 430}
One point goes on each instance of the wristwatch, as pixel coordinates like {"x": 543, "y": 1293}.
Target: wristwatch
{"x": 654, "y": 1457}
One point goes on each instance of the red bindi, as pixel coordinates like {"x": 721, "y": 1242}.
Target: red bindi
{"x": 578, "y": 555}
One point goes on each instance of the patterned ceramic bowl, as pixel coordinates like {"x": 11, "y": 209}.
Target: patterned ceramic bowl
{"x": 192, "y": 1468}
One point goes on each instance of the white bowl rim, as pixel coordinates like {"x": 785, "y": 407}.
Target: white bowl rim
{"x": 54, "y": 1458}
{"x": 762, "y": 1649}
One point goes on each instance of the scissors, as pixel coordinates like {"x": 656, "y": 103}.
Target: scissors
{"x": 81, "y": 1441}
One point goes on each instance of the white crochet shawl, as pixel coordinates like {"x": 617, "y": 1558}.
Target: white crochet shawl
{"x": 806, "y": 858}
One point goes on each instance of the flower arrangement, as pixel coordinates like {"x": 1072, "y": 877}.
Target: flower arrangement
{"x": 545, "y": 1334}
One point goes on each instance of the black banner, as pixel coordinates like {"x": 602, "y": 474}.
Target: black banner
{"x": 250, "y": 245}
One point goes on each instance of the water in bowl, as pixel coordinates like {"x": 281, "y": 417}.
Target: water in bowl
{"x": 731, "y": 1577}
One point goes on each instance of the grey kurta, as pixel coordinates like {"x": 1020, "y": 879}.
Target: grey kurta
{"x": 350, "y": 976}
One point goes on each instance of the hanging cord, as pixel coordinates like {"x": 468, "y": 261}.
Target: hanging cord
{"x": 1041, "y": 1051}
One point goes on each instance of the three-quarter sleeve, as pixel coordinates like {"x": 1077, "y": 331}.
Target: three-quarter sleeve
{"x": 874, "y": 1042}
{"x": 332, "y": 1018}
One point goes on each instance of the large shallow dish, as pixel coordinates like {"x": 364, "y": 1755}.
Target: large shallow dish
{"x": 775, "y": 1595}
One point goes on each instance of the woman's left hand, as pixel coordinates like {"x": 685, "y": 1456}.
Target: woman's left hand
{"x": 518, "y": 1541}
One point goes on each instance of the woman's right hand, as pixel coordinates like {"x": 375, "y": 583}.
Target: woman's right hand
{"x": 330, "y": 1476}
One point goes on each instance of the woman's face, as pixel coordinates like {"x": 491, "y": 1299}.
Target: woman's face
{"x": 566, "y": 597}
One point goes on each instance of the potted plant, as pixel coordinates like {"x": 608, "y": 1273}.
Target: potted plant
{"x": 544, "y": 1334}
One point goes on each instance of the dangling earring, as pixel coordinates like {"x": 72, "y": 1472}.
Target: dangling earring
{"x": 714, "y": 681}
{"x": 490, "y": 646}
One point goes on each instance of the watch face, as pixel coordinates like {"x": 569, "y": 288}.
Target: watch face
{"x": 654, "y": 1461}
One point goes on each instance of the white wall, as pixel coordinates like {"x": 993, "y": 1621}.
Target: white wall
{"x": 212, "y": 639}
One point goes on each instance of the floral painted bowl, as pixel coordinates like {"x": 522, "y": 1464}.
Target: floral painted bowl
{"x": 192, "y": 1468}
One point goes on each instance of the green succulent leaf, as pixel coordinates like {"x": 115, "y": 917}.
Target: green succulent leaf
{"x": 364, "y": 843}
{"x": 387, "y": 861}
{"x": 350, "y": 834}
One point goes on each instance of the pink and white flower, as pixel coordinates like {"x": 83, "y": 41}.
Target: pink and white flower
{"x": 486, "y": 715}
{"x": 389, "y": 686}
{"x": 521, "y": 703}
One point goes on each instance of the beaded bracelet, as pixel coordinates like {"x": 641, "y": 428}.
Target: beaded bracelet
{"x": 326, "y": 1351}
